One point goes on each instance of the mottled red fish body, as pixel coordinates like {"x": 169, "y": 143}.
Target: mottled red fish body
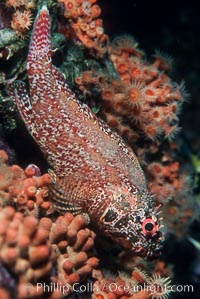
{"x": 94, "y": 170}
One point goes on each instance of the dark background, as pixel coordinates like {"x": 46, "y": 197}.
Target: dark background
{"x": 170, "y": 26}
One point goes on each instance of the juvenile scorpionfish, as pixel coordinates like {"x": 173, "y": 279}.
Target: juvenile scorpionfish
{"x": 95, "y": 171}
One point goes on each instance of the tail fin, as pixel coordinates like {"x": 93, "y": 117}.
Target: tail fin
{"x": 41, "y": 37}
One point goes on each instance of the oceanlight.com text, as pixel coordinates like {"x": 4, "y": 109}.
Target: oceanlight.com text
{"x": 112, "y": 287}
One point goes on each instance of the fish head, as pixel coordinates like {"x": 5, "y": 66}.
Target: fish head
{"x": 132, "y": 220}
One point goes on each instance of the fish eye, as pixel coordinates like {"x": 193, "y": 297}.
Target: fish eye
{"x": 149, "y": 227}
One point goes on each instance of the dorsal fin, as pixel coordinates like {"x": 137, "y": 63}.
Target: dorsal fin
{"x": 17, "y": 92}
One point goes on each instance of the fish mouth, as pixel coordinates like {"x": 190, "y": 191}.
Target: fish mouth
{"x": 150, "y": 249}
{"x": 149, "y": 254}
{"x": 153, "y": 250}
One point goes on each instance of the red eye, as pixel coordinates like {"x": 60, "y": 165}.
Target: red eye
{"x": 149, "y": 227}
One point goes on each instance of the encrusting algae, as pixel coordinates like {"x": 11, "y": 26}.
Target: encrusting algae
{"x": 31, "y": 242}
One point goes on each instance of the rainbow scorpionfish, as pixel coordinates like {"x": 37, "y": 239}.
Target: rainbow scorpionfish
{"x": 94, "y": 170}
